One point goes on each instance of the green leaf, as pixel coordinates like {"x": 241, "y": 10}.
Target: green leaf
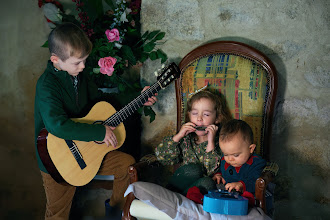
{"x": 103, "y": 54}
{"x": 94, "y": 9}
{"x": 144, "y": 57}
{"x": 161, "y": 55}
{"x": 153, "y": 55}
{"x": 121, "y": 87}
{"x": 152, "y": 34}
{"x": 128, "y": 54}
{"x": 45, "y": 44}
{"x": 149, "y": 47}
{"x": 145, "y": 34}
{"x": 69, "y": 18}
{"x": 140, "y": 110}
{"x": 112, "y": 4}
{"x": 103, "y": 48}
{"x": 96, "y": 70}
{"x": 137, "y": 85}
{"x": 160, "y": 36}
{"x": 148, "y": 111}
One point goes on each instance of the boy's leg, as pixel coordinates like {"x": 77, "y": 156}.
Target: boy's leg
{"x": 59, "y": 198}
{"x": 116, "y": 163}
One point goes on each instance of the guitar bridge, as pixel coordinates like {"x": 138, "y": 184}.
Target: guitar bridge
{"x": 76, "y": 153}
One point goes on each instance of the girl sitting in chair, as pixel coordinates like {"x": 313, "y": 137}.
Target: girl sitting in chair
{"x": 195, "y": 146}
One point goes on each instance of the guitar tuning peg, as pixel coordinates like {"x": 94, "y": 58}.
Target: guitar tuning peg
{"x": 163, "y": 65}
{"x": 156, "y": 73}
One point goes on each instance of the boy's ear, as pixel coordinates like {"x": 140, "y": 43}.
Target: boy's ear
{"x": 252, "y": 147}
{"x": 54, "y": 58}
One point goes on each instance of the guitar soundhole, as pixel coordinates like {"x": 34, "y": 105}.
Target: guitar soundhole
{"x": 98, "y": 122}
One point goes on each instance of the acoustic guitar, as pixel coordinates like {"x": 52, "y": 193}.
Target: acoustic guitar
{"x": 77, "y": 162}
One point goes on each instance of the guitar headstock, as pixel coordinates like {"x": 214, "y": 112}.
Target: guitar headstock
{"x": 168, "y": 74}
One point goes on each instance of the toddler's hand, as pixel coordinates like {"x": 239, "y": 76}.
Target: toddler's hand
{"x": 218, "y": 178}
{"x": 238, "y": 186}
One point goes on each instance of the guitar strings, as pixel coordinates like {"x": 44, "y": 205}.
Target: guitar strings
{"x": 114, "y": 121}
{"x": 118, "y": 117}
{"x": 135, "y": 104}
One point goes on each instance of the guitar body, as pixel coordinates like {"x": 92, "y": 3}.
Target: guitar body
{"x": 93, "y": 152}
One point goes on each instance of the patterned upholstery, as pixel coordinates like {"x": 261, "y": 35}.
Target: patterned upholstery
{"x": 243, "y": 80}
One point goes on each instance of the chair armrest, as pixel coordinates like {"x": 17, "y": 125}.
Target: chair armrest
{"x": 127, "y": 206}
{"x": 135, "y": 169}
{"x": 266, "y": 177}
{"x": 134, "y": 172}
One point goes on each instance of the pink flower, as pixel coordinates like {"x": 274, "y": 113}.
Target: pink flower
{"x": 107, "y": 64}
{"x": 112, "y": 35}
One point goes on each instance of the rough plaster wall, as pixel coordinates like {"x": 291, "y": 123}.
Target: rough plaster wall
{"x": 295, "y": 36}
{"x": 23, "y": 30}
{"x": 22, "y": 60}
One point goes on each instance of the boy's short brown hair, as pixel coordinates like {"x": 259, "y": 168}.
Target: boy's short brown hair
{"x": 232, "y": 127}
{"x": 68, "y": 40}
{"x": 222, "y": 111}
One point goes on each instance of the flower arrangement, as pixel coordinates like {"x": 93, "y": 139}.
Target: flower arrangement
{"x": 113, "y": 26}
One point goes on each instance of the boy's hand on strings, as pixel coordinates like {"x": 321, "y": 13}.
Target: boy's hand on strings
{"x": 185, "y": 129}
{"x": 110, "y": 137}
{"x": 152, "y": 99}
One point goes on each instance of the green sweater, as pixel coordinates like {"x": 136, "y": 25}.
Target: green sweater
{"x": 56, "y": 102}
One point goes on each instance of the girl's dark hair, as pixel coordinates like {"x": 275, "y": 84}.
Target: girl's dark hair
{"x": 222, "y": 111}
{"x": 67, "y": 40}
{"x": 232, "y": 127}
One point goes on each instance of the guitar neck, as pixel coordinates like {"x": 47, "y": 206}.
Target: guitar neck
{"x": 131, "y": 107}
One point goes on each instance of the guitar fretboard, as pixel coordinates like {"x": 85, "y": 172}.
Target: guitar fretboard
{"x": 131, "y": 107}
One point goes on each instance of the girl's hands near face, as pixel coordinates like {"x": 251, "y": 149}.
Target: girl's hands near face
{"x": 185, "y": 129}
{"x": 211, "y": 130}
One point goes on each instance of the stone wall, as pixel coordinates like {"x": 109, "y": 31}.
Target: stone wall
{"x": 295, "y": 36}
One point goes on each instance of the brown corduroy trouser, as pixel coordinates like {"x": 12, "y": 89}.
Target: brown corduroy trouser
{"x": 59, "y": 197}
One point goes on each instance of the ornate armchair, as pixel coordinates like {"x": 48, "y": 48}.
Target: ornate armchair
{"x": 247, "y": 79}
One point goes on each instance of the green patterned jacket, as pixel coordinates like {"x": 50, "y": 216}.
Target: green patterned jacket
{"x": 187, "y": 151}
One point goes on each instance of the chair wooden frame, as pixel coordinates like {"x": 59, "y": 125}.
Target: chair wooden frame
{"x": 246, "y": 51}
